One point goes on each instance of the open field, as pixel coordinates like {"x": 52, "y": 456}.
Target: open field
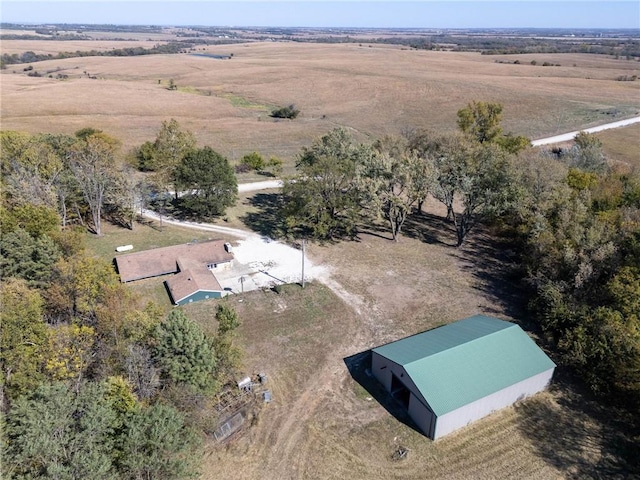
{"x": 372, "y": 90}
{"x": 622, "y": 144}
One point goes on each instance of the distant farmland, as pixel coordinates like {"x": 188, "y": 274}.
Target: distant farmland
{"x": 370, "y": 89}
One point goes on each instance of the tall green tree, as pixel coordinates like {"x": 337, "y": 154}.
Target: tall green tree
{"x": 60, "y": 433}
{"x": 24, "y": 338}
{"x": 184, "y": 353}
{"x": 323, "y": 199}
{"x": 27, "y": 257}
{"x": 481, "y": 121}
{"x": 209, "y": 182}
{"x": 169, "y": 148}
{"x": 156, "y": 444}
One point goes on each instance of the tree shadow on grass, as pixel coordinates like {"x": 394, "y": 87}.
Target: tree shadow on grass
{"x": 268, "y": 220}
{"x": 580, "y": 435}
{"x": 429, "y": 228}
{"x": 359, "y": 366}
{"x": 495, "y": 265}
{"x": 489, "y": 258}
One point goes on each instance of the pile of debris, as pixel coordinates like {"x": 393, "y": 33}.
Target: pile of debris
{"x": 236, "y": 402}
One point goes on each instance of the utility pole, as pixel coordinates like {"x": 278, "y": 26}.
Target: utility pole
{"x": 303, "y": 249}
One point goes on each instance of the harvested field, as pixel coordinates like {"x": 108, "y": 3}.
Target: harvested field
{"x": 371, "y": 90}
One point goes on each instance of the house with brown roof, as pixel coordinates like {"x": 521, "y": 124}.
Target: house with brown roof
{"x": 193, "y": 265}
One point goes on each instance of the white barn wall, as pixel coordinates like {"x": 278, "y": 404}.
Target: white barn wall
{"x": 384, "y": 374}
{"x": 482, "y": 407}
{"x": 418, "y": 411}
{"x": 425, "y": 419}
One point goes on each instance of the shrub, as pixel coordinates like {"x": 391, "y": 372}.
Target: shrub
{"x": 254, "y": 161}
{"x": 289, "y": 112}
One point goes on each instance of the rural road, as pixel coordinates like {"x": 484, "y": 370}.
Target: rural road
{"x": 253, "y": 186}
{"x": 569, "y": 136}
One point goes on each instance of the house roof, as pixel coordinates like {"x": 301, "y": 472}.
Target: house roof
{"x": 165, "y": 260}
{"x": 464, "y": 361}
{"x": 188, "y": 282}
{"x": 194, "y": 276}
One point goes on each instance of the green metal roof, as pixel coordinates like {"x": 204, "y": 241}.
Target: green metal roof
{"x": 461, "y": 362}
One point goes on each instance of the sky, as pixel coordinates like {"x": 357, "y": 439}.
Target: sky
{"x": 332, "y": 13}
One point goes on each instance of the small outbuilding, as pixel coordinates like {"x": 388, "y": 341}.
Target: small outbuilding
{"x": 453, "y": 375}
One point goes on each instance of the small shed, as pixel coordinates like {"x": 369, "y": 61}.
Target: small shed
{"x": 453, "y": 375}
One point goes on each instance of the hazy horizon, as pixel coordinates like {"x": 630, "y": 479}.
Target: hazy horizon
{"x": 454, "y": 14}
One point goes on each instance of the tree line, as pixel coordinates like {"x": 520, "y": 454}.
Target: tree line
{"x": 30, "y": 57}
{"x": 342, "y": 183}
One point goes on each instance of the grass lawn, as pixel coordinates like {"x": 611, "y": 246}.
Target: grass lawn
{"x": 143, "y": 237}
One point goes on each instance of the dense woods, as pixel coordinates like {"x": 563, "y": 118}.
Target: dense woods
{"x": 88, "y": 370}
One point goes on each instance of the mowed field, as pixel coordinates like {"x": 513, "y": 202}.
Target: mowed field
{"x": 371, "y": 90}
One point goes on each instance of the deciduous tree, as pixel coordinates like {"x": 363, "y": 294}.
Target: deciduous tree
{"x": 170, "y": 146}
{"x": 479, "y": 177}
{"x": 481, "y": 120}
{"x": 393, "y": 181}
{"x": 93, "y": 163}
{"x": 323, "y": 200}
{"x": 24, "y": 338}
{"x": 209, "y": 182}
